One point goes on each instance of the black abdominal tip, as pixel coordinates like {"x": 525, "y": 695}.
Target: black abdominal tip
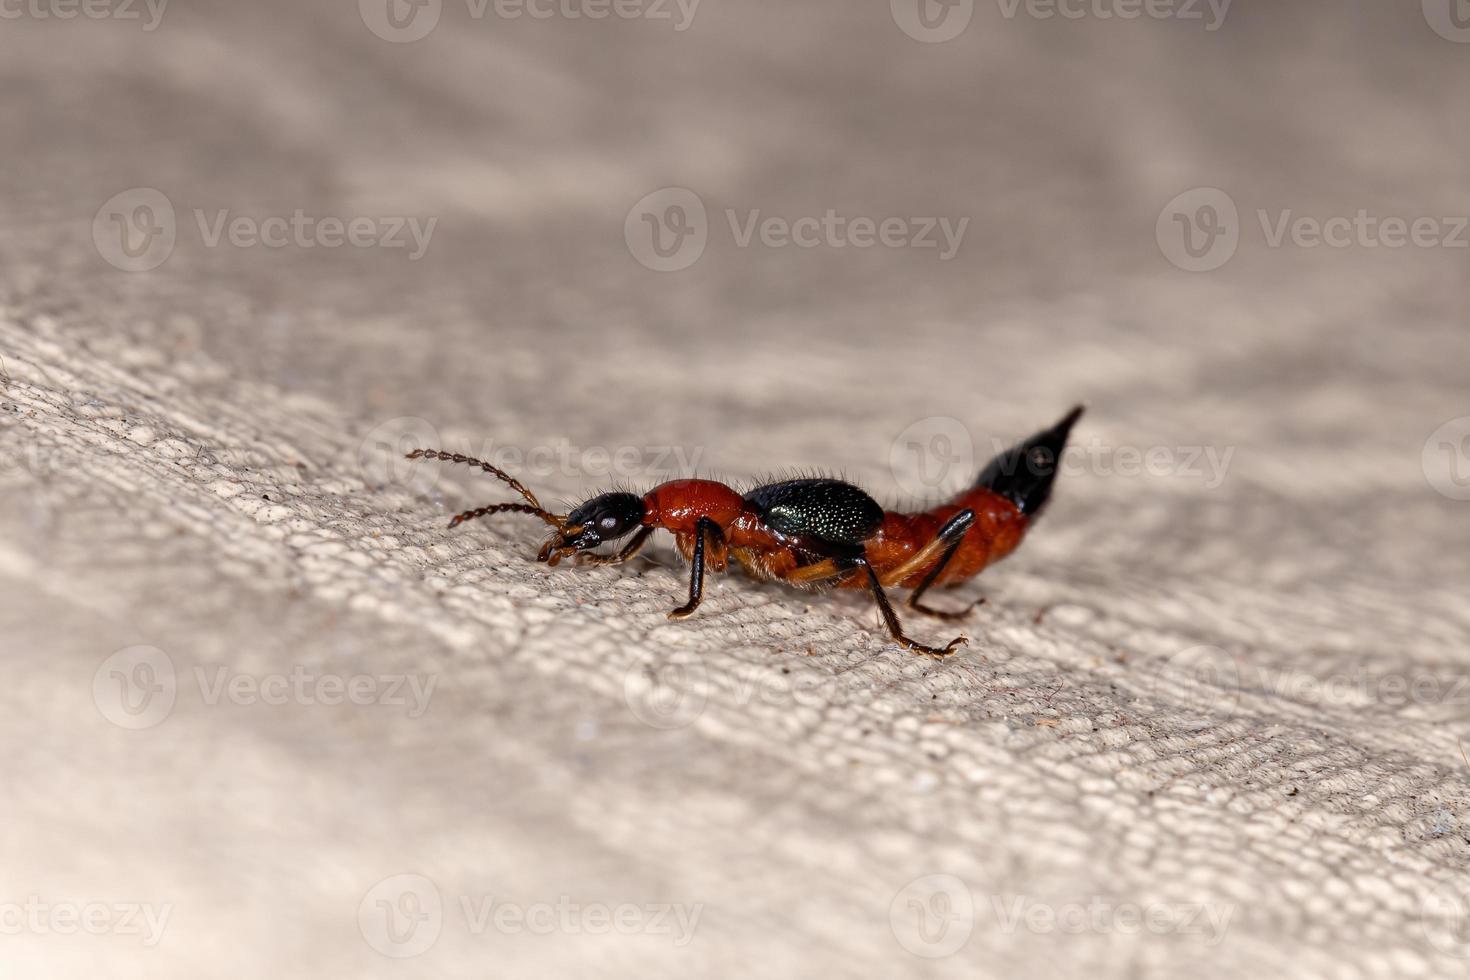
{"x": 1065, "y": 425}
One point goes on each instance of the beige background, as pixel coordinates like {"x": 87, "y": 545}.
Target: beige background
{"x": 1244, "y": 701}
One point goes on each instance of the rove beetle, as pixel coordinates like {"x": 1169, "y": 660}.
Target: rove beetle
{"x": 812, "y": 532}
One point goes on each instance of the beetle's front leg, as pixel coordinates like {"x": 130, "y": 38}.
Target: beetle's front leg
{"x": 629, "y": 551}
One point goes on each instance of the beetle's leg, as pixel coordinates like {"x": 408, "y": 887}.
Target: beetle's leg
{"x": 895, "y": 629}
{"x": 928, "y": 554}
{"x": 950, "y": 536}
{"x": 628, "y": 551}
{"x": 703, "y": 528}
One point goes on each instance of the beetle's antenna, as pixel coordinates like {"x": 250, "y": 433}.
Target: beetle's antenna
{"x": 470, "y": 515}
{"x": 555, "y": 520}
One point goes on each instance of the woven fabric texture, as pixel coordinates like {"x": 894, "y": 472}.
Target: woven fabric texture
{"x": 267, "y": 716}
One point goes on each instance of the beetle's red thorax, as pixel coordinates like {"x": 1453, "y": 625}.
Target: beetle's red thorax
{"x": 679, "y": 504}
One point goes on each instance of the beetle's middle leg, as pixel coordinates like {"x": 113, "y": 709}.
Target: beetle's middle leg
{"x": 704, "y": 529}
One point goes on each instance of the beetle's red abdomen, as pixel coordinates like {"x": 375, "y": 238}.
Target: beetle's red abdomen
{"x": 998, "y": 529}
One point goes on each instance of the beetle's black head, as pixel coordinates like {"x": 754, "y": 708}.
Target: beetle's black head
{"x": 603, "y": 518}
{"x": 1024, "y": 473}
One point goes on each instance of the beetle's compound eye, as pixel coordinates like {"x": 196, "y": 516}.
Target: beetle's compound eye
{"x": 608, "y": 523}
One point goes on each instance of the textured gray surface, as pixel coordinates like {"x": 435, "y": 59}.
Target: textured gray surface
{"x": 1206, "y": 721}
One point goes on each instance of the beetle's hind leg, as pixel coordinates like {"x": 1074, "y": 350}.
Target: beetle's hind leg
{"x": 950, "y": 536}
{"x": 890, "y": 618}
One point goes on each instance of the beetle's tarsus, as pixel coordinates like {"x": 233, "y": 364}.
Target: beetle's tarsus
{"x": 948, "y": 615}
